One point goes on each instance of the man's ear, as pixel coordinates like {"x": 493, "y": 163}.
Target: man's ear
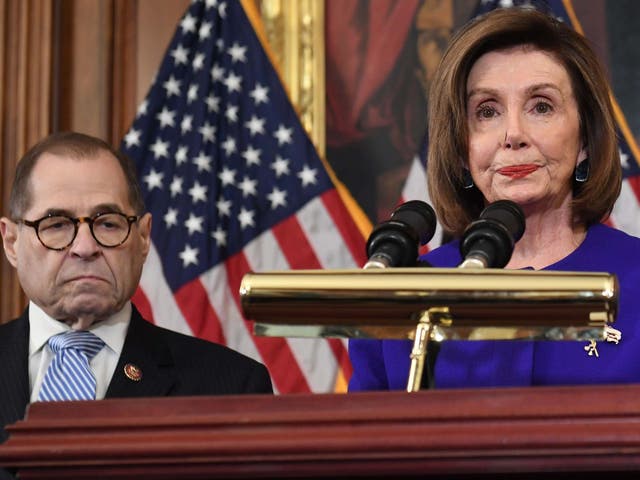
{"x": 9, "y": 231}
{"x": 144, "y": 229}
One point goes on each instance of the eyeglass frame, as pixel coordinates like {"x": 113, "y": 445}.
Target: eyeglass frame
{"x": 131, "y": 219}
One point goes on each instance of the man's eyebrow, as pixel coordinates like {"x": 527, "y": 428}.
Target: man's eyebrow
{"x": 106, "y": 208}
{"x": 58, "y": 211}
{"x": 102, "y": 208}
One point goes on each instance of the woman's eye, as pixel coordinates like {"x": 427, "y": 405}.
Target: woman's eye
{"x": 485, "y": 111}
{"x": 543, "y": 107}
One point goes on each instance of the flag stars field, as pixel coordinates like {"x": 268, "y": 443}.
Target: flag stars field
{"x": 224, "y": 207}
{"x": 189, "y": 256}
{"x": 198, "y": 193}
{"x": 186, "y": 125}
{"x": 227, "y": 176}
{"x": 213, "y": 103}
{"x": 229, "y": 146}
{"x": 205, "y": 31}
{"x": 238, "y": 53}
{"x": 260, "y": 94}
{"x": 246, "y": 218}
{"x": 208, "y": 132}
{"x": 203, "y": 162}
{"x": 283, "y": 135}
{"x": 231, "y": 113}
{"x": 160, "y": 149}
{"x": 220, "y": 236}
{"x": 192, "y": 93}
{"x": 277, "y": 198}
{"x": 153, "y": 179}
{"x": 280, "y": 166}
{"x": 171, "y": 217}
{"x": 217, "y": 73}
{"x": 132, "y": 138}
{"x": 172, "y": 86}
{"x": 180, "y": 55}
{"x": 198, "y": 61}
{"x": 233, "y": 82}
{"x": 181, "y": 154}
{"x": 176, "y": 186}
{"x": 255, "y": 125}
{"x": 248, "y": 187}
{"x": 166, "y": 118}
{"x": 307, "y": 176}
{"x": 188, "y": 24}
{"x": 251, "y": 156}
{"x": 194, "y": 224}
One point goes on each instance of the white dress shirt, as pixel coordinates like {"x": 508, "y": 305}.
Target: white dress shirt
{"x": 111, "y": 331}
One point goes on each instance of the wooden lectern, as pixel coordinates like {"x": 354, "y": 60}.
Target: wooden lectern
{"x": 540, "y": 432}
{"x": 480, "y": 433}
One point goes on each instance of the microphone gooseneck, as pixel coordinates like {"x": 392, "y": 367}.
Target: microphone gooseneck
{"x": 395, "y": 243}
{"x": 488, "y": 241}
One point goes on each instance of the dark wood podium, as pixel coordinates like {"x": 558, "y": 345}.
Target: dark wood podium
{"x": 485, "y": 433}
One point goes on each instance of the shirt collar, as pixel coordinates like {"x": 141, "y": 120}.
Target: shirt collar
{"x": 111, "y": 331}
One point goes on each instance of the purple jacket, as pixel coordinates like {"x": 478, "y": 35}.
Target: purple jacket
{"x": 384, "y": 364}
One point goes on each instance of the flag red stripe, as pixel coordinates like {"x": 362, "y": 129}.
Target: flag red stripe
{"x": 342, "y": 356}
{"x": 143, "y": 305}
{"x": 295, "y": 245}
{"x": 193, "y": 301}
{"x": 300, "y": 254}
{"x": 345, "y": 225}
{"x": 354, "y": 241}
{"x": 283, "y": 366}
{"x": 634, "y": 183}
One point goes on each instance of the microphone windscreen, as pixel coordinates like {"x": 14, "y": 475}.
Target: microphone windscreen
{"x": 507, "y": 213}
{"x": 420, "y": 216}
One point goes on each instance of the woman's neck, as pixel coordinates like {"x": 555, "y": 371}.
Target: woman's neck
{"x": 549, "y": 237}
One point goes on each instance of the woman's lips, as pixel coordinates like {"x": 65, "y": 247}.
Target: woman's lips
{"x": 518, "y": 171}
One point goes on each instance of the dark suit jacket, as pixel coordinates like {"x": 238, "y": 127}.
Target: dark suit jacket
{"x": 172, "y": 364}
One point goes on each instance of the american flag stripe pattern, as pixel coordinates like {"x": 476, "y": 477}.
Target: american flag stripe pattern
{"x": 234, "y": 185}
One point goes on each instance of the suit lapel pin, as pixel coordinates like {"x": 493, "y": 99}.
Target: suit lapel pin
{"x": 133, "y": 372}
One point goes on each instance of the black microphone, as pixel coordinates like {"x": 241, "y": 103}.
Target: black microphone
{"x": 488, "y": 242}
{"x": 395, "y": 243}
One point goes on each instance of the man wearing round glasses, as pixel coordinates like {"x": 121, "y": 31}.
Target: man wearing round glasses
{"x": 78, "y": 235}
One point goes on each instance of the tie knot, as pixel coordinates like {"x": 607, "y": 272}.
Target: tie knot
{"x": 80, "y": 340}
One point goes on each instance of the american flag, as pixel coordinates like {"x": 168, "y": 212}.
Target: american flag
{"x": 626, "y": 212}
{"x": 234, "y": 185}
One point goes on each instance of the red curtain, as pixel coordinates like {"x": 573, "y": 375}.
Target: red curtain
{"x": 369, "y": 82}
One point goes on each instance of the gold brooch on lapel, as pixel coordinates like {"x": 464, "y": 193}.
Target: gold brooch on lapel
{"x": 611, "y": 335}
{"x": 133, "y": 372}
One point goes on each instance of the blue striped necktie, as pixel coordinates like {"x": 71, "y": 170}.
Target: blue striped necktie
{"x": 69, "y": 376}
